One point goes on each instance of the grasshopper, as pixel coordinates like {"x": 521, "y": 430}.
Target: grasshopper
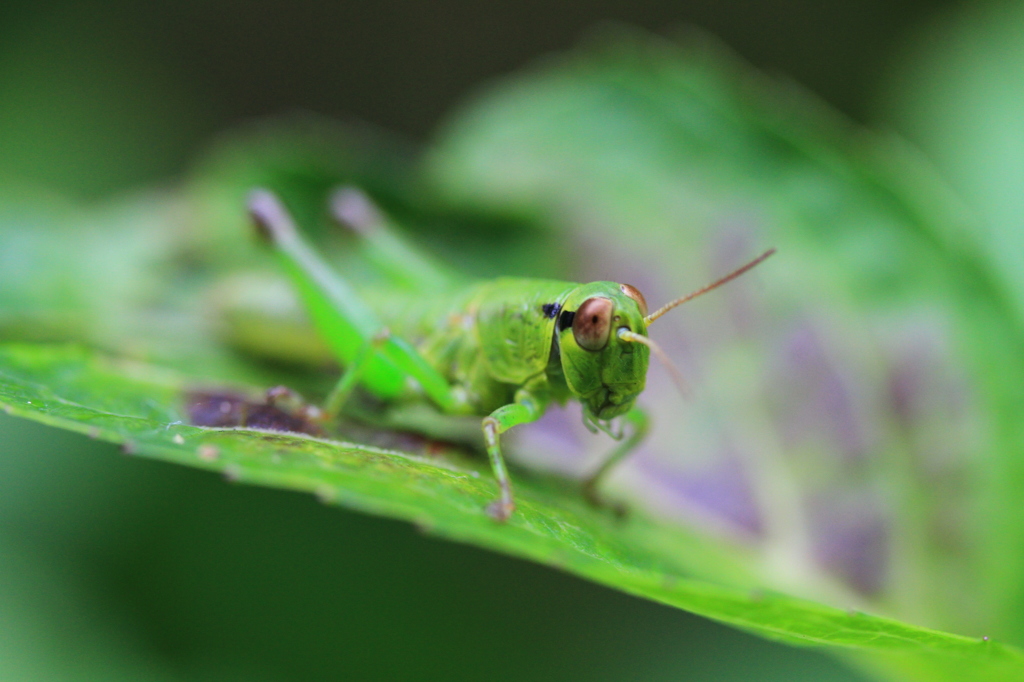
{"x": 502, "y": 349}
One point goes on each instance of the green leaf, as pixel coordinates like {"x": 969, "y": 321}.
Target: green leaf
{"x": 142, "y": 407}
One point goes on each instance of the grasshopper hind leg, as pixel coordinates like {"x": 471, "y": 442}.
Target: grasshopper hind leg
{"x": 344, "y": 320}
{"x": 402, "y": 264}
{"x": 640, "y": 423}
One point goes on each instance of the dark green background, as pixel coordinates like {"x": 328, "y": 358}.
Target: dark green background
{"x": 149, "y": 571}
{"x": 102, "y": 96}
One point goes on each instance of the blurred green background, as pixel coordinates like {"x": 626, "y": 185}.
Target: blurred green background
{"x": 99, "y": 96}
{"x": 117, "y": 568}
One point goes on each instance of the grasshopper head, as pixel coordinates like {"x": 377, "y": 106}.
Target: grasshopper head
{"x": 603, "y": 370}
{"x": 602, "y": 339}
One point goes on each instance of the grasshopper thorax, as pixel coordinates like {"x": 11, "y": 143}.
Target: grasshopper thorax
{"x": 603, "y": 371}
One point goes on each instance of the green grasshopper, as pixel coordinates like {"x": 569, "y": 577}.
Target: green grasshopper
{"x": 502, "y": 349}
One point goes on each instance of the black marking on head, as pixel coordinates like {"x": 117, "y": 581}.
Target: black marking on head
{"x": 551, "y": 310}
{"x": 565, "y": 319}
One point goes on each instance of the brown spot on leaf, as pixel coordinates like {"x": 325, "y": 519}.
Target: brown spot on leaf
{"x": 227, "y": 409}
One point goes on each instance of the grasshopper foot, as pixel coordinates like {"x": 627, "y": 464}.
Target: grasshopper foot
{"x": 501, "y": 509}
{"x": 597, "y": 500}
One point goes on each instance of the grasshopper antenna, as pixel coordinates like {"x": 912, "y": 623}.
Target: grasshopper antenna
{"x": 677, "y": 376}
{"x": 714, "y": 285}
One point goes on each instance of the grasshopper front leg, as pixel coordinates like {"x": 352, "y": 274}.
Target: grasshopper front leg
{"x": 640, "y": 423}
{"x": 527, "y": 408}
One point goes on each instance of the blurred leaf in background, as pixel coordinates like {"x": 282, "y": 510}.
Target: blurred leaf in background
{"x": 958, "y": 93}
{"x": 888, "y": 383}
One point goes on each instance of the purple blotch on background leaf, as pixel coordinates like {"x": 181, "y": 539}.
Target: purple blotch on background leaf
{"x": 720, "y": 490}
{"x": 851, "y": 538}
{"x": 818, "y": 402}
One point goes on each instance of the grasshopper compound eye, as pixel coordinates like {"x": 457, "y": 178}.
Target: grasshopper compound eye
{"x": 592, "y": 324}
{"x": 635, "y": 294}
